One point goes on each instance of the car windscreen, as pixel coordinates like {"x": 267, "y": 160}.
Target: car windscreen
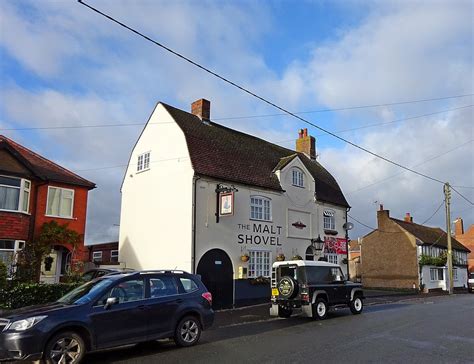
{"x": 85, "y": 293}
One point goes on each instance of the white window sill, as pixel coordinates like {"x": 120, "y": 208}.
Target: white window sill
{"x": 16, "y": 211}
{"x": 270, "y": 221}
{"x": 298, "y": 186}
{"x": 61, "y": 217}
{"x": 143, "y": 170}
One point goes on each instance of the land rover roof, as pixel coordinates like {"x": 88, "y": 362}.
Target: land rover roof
{"x": 305, "y": 263}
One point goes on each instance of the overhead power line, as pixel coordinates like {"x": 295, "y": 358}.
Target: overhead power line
{"x": 434, "y": 213}
{"x": 345, "y": 108}
{"x": 460, "y": 194}
{"x": 254, "y": 94}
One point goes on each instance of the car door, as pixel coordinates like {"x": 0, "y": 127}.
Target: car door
{"x": 163, "y": 304}
{"x": 338, "y": 285}
{"x": 124, "y": 322}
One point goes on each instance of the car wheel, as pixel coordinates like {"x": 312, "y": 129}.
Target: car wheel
{"x": 284, "y": 312}
{"x": 65, "y": 347}
{"x": 320, "y": 309}
{"x": 188, "y": 331}
{"x": 356, "y": 305}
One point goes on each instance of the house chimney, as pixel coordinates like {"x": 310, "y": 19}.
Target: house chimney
{"x": 383, "y": 217}
{"x": 306, "y": 144}
{"x": 202, "y": 109}
{"x": 408, "y": 218}
{"x": 458, "y": 227}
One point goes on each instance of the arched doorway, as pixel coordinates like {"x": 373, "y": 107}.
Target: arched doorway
{"x": 310, "y": 253}
{"x": 215, "y": 268}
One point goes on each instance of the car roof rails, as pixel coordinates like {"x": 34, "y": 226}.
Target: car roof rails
{"x": 164, "y": 271}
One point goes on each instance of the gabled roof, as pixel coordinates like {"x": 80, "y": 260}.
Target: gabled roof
{"x": 220, "y": 152}
{"x": 430, "y": 235}
{"x": 41, "y": 167}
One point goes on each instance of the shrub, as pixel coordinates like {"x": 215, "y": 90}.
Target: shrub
{"x": 3, "y": 275}
{"x": 27, "y": 294}
{"x": 437, "y": 261}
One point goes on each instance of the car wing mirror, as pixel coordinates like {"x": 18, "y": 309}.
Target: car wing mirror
{"x": 110, "y": 302}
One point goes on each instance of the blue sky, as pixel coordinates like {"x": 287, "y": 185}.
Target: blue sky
{"x": 62, "y": 64}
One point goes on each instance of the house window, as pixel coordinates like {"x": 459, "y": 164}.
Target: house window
{"x": 114, "y": 256}
{"x": 329, "y": 220}
{"x": 436, "y": 274}
{"x": 14, "y": 194}
{"x": 8, "y": 249}
{"x": 60, "y": 202}
{"x": 259, "y": 263}
{"x": 97, "y": 256}
{"x": 260, "y": 208}
{"x": 455, "y": 274}
{"x": 143, "y": 162}
{"x": 297, "y": 179}
{"x": 331, "y": 258}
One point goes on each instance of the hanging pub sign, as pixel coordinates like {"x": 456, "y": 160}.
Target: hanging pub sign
{"x": 226, "y": 205}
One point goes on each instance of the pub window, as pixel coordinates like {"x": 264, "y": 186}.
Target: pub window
{"x": 143, "y": 162}
{"x": 260, "y": 208}
{"x": 259, "y": 263}
{"x": 436, "y": 274}
{"x": 329, "y": 220}
{"x": 297, "y": 178}
{"x": 331, "y": 258}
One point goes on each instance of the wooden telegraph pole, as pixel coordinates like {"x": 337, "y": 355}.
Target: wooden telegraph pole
{"x": 447, "y": 203}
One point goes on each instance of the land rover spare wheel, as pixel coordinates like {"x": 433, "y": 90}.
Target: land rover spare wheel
{"x": 287, "y": 287}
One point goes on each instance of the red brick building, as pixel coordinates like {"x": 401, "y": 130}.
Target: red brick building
{"x": 466, "y": 238}
{"x": 33, "y": 191}
{"x": 104, "y": 254}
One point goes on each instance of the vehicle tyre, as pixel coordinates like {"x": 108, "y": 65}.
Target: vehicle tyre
{"x": 356, "y": 305}
{"x": 65, "y": 347}
{"x": 287, "y": 287}
{"x": 320, "y": 309}
{"x": 188, "y": 331}
{"x": 284, "y": 312}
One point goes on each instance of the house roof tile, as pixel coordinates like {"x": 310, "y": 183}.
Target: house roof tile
{"x": 220, "y": 152}
{"x": 41, "y": 167}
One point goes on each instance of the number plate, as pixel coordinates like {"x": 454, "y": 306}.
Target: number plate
{"x": 274, "y": 291}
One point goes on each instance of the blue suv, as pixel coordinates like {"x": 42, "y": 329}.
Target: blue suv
{"x": 110, "y": 311}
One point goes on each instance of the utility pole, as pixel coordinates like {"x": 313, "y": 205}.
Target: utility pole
{"x": 447, "y": 203}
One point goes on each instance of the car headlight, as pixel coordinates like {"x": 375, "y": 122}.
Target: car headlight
{"x": 22, "y": 325}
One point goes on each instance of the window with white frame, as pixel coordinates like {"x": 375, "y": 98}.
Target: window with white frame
{"x": 260, "y": 208}
{"x": 331, "y": 258}
{"x": 114, "y": 256}
{"x": 14, "y": 194}
{"x": 329, "y": 220}
{"x": 8, "y": 250}
{"x": 97, "y": 256}
{"x": 436, "y": 274}
{"x": 60, "y": 202}
{"x": 297, "y": 178}
{"x": 259, "y": 263}
{"x": 143, "y": 162}
{"x": 455, "y": 274}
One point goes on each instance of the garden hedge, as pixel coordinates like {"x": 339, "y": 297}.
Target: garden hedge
{"x": 27, "y": 294}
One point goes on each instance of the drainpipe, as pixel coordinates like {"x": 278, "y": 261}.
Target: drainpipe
{"x": 193, "y": 248}
{"x": 347, "y": 244}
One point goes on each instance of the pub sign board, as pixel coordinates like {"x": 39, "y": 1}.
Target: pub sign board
{"x": 226, "y": 203}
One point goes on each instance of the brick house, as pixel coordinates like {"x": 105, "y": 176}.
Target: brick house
{"x": 467, "y": 239}
{"x": 34, "y": 191}
{"x": 104, "y": 253}
{"x": 391, "y": 255}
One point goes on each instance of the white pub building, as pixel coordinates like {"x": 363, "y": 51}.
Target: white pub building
{"x": 201, "y": 197}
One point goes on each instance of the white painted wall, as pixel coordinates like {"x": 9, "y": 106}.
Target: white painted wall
{"x": 460, "y": 282}
{"x": 236, "y": 234}
{"x": 156, "y": 212}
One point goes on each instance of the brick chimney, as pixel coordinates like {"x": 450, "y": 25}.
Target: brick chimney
{"x": 306, "y": 144}
{"x": 458, "y": 227}
{"x": 202, "y": 109}
{"x": 408, "y": 218}
{"x": 383, "y": 218}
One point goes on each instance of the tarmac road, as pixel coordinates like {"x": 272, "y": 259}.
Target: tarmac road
{"x": 422, "y": 330}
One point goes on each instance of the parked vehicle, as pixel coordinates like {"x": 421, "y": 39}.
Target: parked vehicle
{"x": 312, "y": 287}
{"x": 110, "y": 311}
{"x": 470, "y": 282}
{"x": 99, "y": 272}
